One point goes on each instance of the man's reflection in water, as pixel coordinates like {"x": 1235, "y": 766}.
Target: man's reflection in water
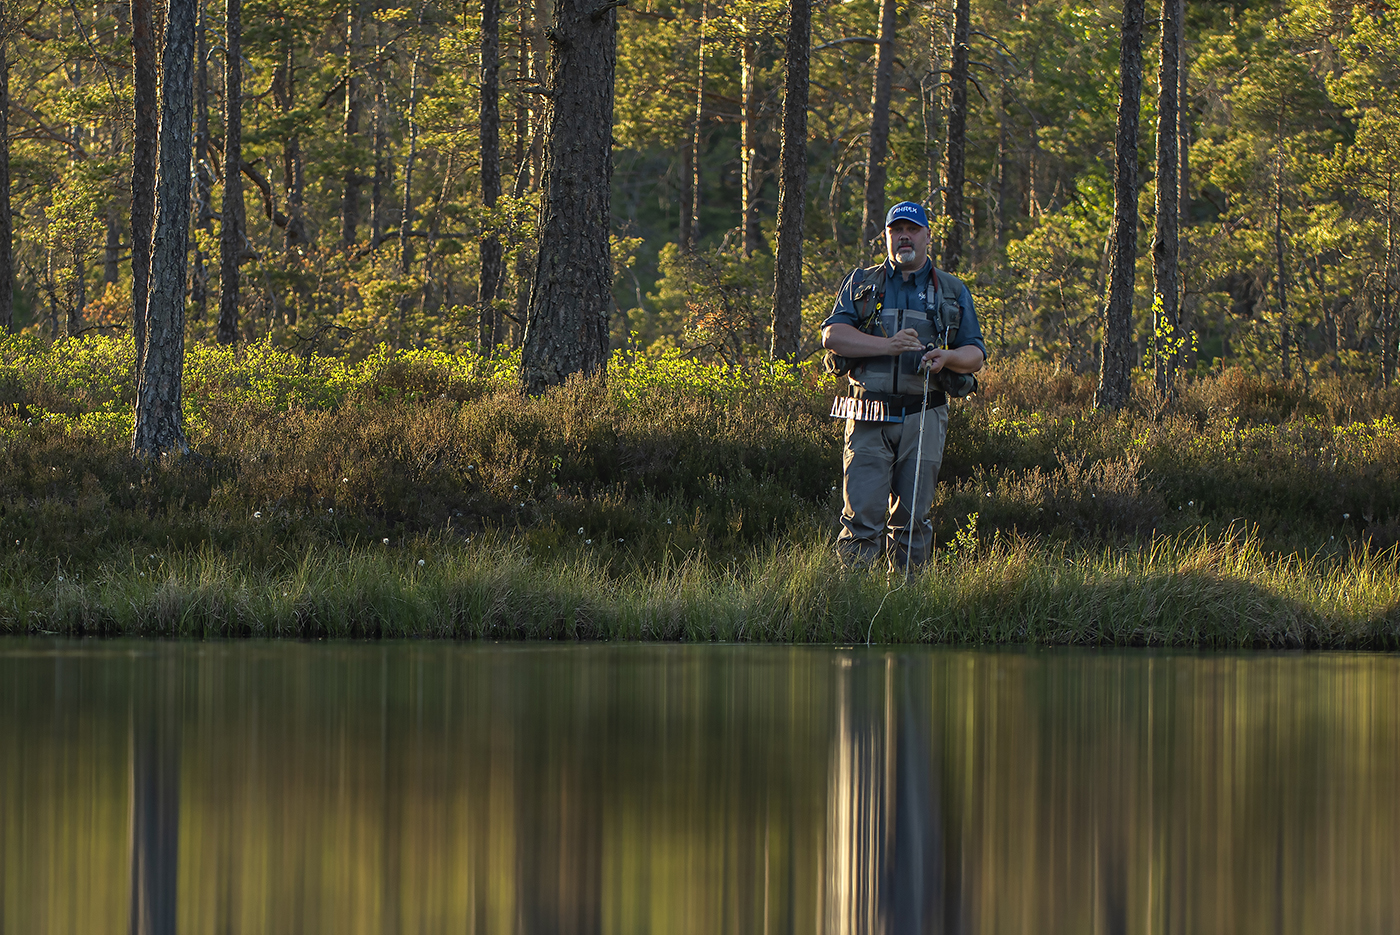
{"x": 885, "y": 865}
{"x": 156, "y": 718}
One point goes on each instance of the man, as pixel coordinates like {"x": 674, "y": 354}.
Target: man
{"x": 893, "y": 322}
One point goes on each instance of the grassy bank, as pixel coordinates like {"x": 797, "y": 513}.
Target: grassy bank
{"x": 1221, "y": 594}
{"x": 680, "y": 501}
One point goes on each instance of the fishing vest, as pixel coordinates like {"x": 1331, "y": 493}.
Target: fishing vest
{"x": 936, "y": 323}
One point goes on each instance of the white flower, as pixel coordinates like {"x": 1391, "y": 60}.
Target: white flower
{"x": 515, "y": 487}
{"x": 257, "y": 514}
{"x": 345, "y": 480}
{"x": 668, "y": 522}
{"x": 386, "y": 541}
{"x": 421, "y": 563}
{"x": 1346, "y": 516}
{"x": 580, "y": 530}
{"x": 331, "y": 510}
{"x": 60, "y": 577}
{"x": 1190, "y": 502}
{"x": 619, "y": 540}
{"x": 587, "y": 541}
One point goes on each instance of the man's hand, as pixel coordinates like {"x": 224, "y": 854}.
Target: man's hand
{"x": 905, "y": 341}
{"x": 966, "y": 359}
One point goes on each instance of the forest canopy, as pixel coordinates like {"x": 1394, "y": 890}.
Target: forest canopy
{"x": 1290, "y": 254}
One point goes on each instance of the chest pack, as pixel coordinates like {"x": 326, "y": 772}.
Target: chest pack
{"x": 936, "y": 323}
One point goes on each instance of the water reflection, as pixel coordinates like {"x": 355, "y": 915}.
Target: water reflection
{"x": 409, "y": 788}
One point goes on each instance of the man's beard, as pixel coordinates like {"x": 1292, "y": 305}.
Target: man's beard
{"x": 905, "y": 254}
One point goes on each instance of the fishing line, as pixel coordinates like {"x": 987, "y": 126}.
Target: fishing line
{"x": 914, "y": 499}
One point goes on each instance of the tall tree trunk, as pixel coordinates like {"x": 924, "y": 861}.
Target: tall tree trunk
{"x": 1115, "y": 365}
{"x": 1389, "y": 350}
{"x": 931, "y": 101}
{"x": 955, "y": 164}
{"x": 567, "y": 328}
{"x": 1285, "y": 337}
{"x": 873, "y": 222}
{"x": 284, "y": 95}
{"x": 748, "y": 139}
{"x": 1183, "y": 175}
{"x": 143, "y": 166}
{"x": 406, "y": 213}
{"x": 203, "y": 178}
{"x": 490, "y": 170}
{"x": 232, "y": 214}
{"x": 697, "y": 143}
{"x": 685, "y": 237}
{"x": 1003, "y": 164}
{"x": 1165, "y": 243}
{"x": 351, "y": 180}
{"x": 792, "y": 187}
{"x": 379, "y": 187}
{"x": 159, "y": 416}
{"x": 7, "y": 257}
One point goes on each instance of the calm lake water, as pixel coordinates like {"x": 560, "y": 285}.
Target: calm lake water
{"x": 429, "y": 787}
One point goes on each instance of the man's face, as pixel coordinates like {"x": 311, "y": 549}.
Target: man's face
{"x": 907, "y": 244}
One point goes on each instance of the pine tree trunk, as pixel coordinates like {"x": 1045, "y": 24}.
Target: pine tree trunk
{"x": 203, "y": 178}
{"x": 873, "y": 223}
{"x": 567, "y": 328}
{"x": 696, "y": 146}
{"x": 159, "y": 416}
{"x": 687, "y": 192}
{"x": 490, "y": 169}
{"x": 955, "y": 165}
{"x": 1285, "y": 337}
{"x": 1115, "y": 366}
{"x": 406, "y": 212}
{"x": 351, "y": 180}
{"x": 748, "y": 142}
{"x": 143, "y": 166}
{"x": 232, "y": 214}
{"x": 284, "y": 95}
{"x": 1166, "y": 327}
{"x": 932, "y": 103}
{"x": 792, "y": 188}
{"x": 7, "y": 256}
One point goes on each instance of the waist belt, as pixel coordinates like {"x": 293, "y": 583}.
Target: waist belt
{"x": 865, "y": 406}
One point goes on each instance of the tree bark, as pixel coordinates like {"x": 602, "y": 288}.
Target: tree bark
{"x": 203, "y": 178}
{"x": 1285, "y": 338}
{"x": 232, "y": 214}
{"x": 490, "y": 170}
{"x": 143, "y": 166}
{"x": 748, "y": 141}
{"x": 932, "y": 103}
{"x": 873, "y": 222}
{"x": 7, "y": 257}
{"x": 698, "y": 140}
{"x": 1115, "y": 366}
{"x": 159, "y": 416}
{"x": 955, "y": 164}
{"x": 406, "y": 213}
{"x": 567, "y": 328}
{"x": 1165, "y": 242}
{"x": 284, "y": 95}
{"x": 685, "y": 237}
{"x": 351, "y": 180}
{"x": 792, "y": 188}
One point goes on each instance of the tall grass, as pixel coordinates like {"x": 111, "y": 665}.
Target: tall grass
{"x": 1217, "y": 593}
{"x": 680, "y": 500}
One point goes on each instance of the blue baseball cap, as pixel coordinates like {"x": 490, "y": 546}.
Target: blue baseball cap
{"x": 907, "y": 211}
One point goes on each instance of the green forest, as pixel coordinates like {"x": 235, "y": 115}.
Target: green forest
{"x": 366, "y": 209}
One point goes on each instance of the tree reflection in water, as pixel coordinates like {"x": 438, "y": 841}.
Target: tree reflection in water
{"x": 369, "y": 789}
